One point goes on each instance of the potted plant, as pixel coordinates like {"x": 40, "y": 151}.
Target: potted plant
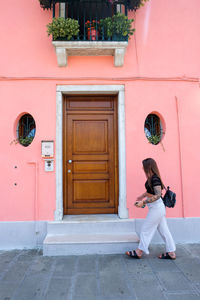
{"x": 117, "y": 27}
{"x": 63, "y": 29}
{"x": 92, "y": 29}
{"x": 135, "y": 4}
{"x": 131, "y": 4}
{"x": 106, "y": 28}
{"x": 45, "y": 4}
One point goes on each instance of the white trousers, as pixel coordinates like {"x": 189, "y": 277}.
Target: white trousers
{"x": 155, "y": 219}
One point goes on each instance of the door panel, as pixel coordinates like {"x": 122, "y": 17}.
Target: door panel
{"x": 90, "y": 168}
{"x": 92, "y": 191}
{"x": 90, "y": 136}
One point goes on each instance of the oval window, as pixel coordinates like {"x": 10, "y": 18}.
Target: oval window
{"x": 153, "y": 129}
{"x": 26, "y": 130}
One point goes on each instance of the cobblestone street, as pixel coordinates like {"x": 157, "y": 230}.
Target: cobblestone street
{"x": 27, "y": 275}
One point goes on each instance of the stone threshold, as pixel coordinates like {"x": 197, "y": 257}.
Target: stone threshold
{"x": 91, "y": 238}
{"x": 92, "y": 218}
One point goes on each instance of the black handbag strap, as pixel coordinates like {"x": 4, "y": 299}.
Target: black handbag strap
{"x": 166, "y": 188}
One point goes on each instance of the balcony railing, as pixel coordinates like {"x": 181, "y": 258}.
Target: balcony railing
{"x": 93, "y": 38}
{"x": 89, "y": 14}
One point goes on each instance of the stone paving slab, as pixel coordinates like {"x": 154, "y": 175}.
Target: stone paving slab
{"x": 182, "y": 296}
{"x": 115, "y": 285}
{"x": 85, "y": 287}
{"x": 58, "y": 289}
{"x": 174, "y": 281}
{"x": 27, "y": 275}
{"x": 64, "y": 266}
{"x": 147, "y": 286}
{"x": 190, "y": 267}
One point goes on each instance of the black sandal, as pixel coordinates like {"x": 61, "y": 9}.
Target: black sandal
{"x": 133, "y": 254}
{"x": 166, "y": 256}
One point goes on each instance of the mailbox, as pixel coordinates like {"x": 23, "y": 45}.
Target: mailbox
{"x": 47, "y": 149}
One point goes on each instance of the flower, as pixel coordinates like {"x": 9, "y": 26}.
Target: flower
{"x": 92, "y": 24}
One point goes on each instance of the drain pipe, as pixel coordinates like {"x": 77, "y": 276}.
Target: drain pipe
{"x": 36, "y": 208}
{"x": 180, "y": 156}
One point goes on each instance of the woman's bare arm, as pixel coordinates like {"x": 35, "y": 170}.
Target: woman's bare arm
{"x": 152, "y": 198}
{"x": 139, "y": 198}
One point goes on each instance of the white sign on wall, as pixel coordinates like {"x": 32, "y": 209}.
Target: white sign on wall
{"x": 47, "y": 148}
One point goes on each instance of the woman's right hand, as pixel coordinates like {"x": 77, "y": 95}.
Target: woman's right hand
{"x": 139, "y": 204}
{"x": 139, "y": 198}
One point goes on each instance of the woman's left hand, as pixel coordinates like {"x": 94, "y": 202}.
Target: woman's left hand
{"x": 139, "y": 204}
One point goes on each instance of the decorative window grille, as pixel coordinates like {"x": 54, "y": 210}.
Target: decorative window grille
{"x": 153, "y": 129}
{"x": 26, "y": 130}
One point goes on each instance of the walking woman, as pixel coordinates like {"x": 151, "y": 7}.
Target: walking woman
{"x": 156, "y": 215}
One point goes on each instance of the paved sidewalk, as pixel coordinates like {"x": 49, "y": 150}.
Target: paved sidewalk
{"x": 27, "y": 275}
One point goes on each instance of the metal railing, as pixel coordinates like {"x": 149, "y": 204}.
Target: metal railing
{"x": 89, "y": 14}
{"x": 153, "y": 125}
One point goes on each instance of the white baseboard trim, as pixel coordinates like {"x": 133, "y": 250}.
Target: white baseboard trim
{"x": 22, "y": 235}
{"x": 30, "y": 235}
{"x": 183, "y": 230}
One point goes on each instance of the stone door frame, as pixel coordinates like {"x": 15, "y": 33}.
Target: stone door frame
{"x": 90, "y": 89}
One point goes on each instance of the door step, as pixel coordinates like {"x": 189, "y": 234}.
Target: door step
{"x": 78, "y": 244}
{"x": 81, "y": 235}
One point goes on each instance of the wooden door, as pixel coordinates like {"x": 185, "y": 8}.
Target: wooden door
{"x": 90, "y": 168}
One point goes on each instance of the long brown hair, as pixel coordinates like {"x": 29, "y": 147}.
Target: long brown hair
{"x": 150, "y": 166}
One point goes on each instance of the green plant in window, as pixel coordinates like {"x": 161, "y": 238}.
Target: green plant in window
{"x": 154, "y": 139}
{"x": 117, "y": 27}
{"x": 61, "y": 28}
{"x": 25, "y": 141}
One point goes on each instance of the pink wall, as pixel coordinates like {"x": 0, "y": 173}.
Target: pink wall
{"x": 166, "y": 36}
{"x": 18, "y": 201}
{"x": 173, "y": 161}
{"x": 166, "y": 44}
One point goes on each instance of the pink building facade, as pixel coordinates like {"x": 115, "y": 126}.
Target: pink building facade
{"x": 160, "y": 75}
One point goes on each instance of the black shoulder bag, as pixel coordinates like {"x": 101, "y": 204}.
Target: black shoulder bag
{"x": 169, "y": 198}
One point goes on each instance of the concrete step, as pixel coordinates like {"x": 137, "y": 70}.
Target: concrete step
{"x": 89, "y": 234}
{"x": 93, "y": 224}
{"x": 82, "y": 244}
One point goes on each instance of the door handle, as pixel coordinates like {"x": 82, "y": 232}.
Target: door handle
{"x": 69, "y": 171}
{"x": 69, "y": 161}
